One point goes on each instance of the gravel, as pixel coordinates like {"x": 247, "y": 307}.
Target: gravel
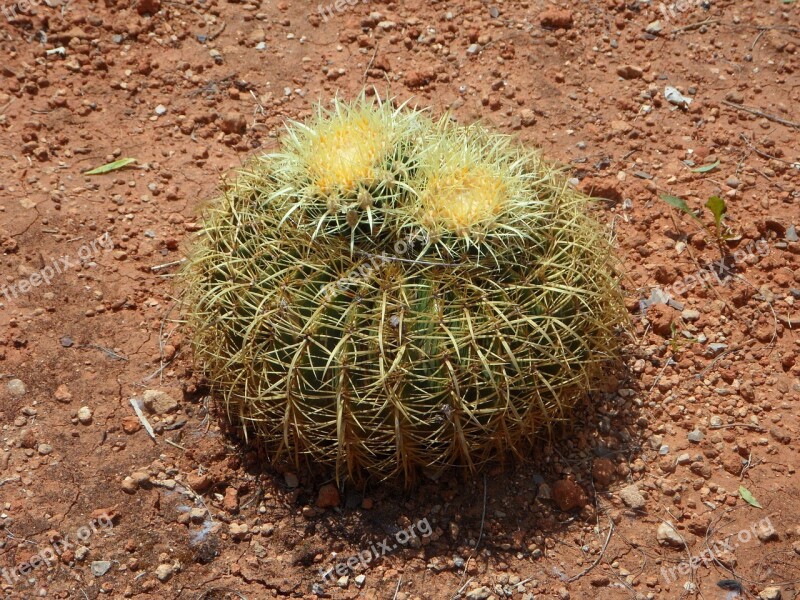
{"x": 632, "y": 497}
{"x": 85, "y": 415}
{"x": 667, "y": 535}
{"x": 481, "y": 593}
{"x": 100, "y": 567}
{"x": 696, "y": 436}
{"x": 16, "y": 388}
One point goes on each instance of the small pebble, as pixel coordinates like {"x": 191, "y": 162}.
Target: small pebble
{"x": 62, "y": 394}
{"x": 770, "y": 593}
{"x": 481, "y": 593}
{"x": 85, "y": 415}
{"x": 129, "y": 485}
{"x": 45, "y": 449}
{"x": 142, "y": 478}
{"x": 696, "y": 436}
{"x": 16, "y": 388}
{"x": 654, "y": 28}
{"x": 714, "y": 349}
{"x": 197, "y": 515}
{"x": 667, "y": 535}
{"x": 164, "y": 572}
{"x": 689, "y": 315}
{"x": 238, "y": 531}
{"x": 632, "y": 497}
{"x": 100, "y": 567}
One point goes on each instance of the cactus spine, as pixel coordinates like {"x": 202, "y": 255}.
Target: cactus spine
{"x": 387, "y": 292}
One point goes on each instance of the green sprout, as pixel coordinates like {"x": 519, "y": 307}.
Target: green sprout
{"x": 718, "y": 208}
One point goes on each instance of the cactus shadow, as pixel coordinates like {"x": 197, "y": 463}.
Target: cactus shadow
{"x": 506, "y": 513}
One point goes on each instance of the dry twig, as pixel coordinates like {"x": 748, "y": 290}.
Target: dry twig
{"x": 708, "y": 21}
{"x": 217, "y": 33}
{"x": 760, "y": 113}
{"x": 599, "y": 556}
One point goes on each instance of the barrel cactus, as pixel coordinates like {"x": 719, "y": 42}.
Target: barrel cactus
{"x": 388, "y": 292}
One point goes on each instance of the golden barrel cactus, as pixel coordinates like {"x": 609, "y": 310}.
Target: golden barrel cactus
{"x": 387, "y": 292}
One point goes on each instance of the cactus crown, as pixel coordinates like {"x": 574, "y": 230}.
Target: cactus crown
{"x": 349, "y": 151}
{"x": 387, "y": 292}
{"x": 464, "y": 183}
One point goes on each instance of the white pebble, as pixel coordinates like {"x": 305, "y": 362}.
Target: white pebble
{"x": 85, "y": 415}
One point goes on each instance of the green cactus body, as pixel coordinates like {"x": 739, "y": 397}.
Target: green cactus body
{"x": 388, "y": 293}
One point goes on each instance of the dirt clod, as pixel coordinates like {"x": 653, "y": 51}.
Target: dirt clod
{"x": 148, "y": 7}
{"x": 568, "y": 495}
{"x": 603, "y": 471}
{"x": 556, "y": 19}
{"x": 328, "y": 496}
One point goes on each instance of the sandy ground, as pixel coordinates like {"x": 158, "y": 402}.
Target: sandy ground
{"x": 703, "y": 418}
